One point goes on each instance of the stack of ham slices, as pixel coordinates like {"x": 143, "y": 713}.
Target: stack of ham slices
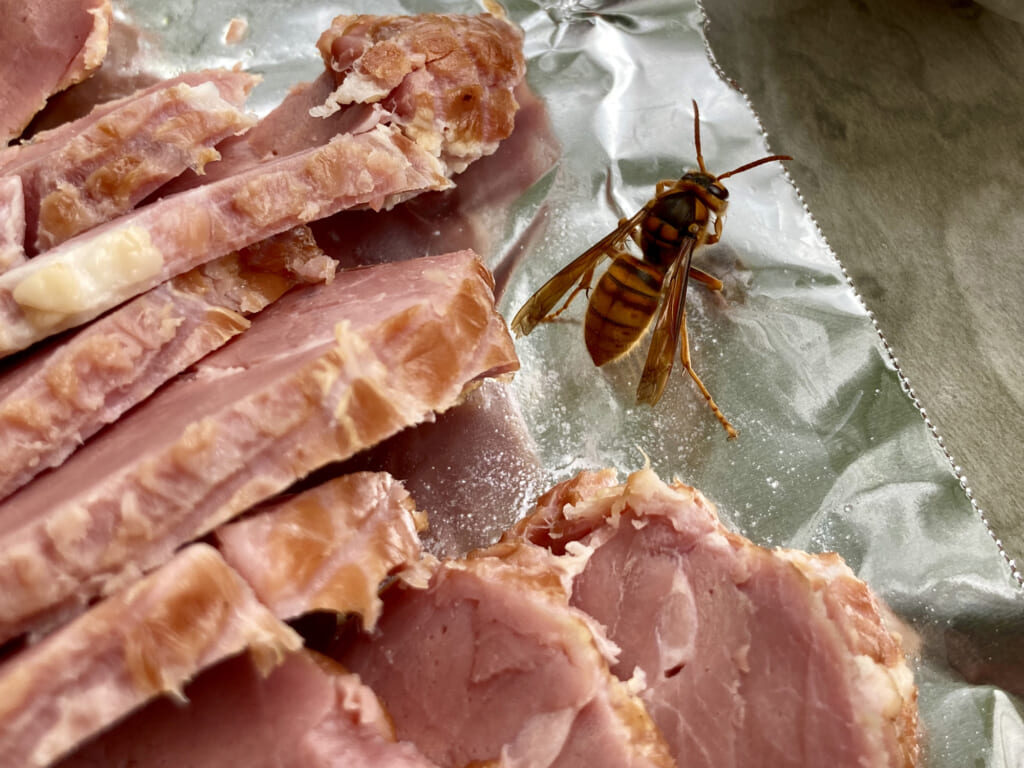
{"x": 201, "y": 561}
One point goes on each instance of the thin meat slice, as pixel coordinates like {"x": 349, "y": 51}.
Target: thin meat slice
{"x": 308, "y": 713}
{"x": 751, "y": 656}
{"x": 327, "y": 549}
{"x": 112, "y": 163}
{"x": 447, "y": 80}
{"x": 12, "y": 222}
{"x": 135, "y": 645}
{"x": 324, "y": 372}
{"x": 62, "y": 394}
{"x": 45, "y": 46}
{"x": 110, "y": 264}
{"x": 490, "y": 665}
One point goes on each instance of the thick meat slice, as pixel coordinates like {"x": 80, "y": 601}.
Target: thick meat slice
{"x": 751, "y": 656}
{"x": 308, "y": 713}
{"x": 62, "y": 394}
{"x": 327, "y": 549}
{"x": 12, "y": 222}
{"x": 45, "y": 46}
{"x": 113, "y": 162}
{"x": 100, "y": 269}
{"x": 324, "y": 372}
{"x": 447, "y": 80}
{"x": 137, "y": 644}
{"x": 489, "y": 663}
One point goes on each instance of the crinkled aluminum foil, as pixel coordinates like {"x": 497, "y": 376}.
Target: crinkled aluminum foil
{"x": 832, "y": 453}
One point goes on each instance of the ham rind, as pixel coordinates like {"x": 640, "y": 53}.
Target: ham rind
{"x": 751, "y": 656}
{"x": 114, "y": 162}
{"x": 324, "y": 372}
{"x": 46, "y": 46}
{"x": 308, "y": 713}
{"x": 489, "y": 664}
{"x": 12, "y": 222}
{"x": 447, "y": 80}
{"x": 142, "y": 642}
{"x": 60, "y": 395}
{"x": 327, "y": 549}
{"x": 98, "y": 270}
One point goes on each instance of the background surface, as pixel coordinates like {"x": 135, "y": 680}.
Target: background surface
{"x": 906, "y": 122}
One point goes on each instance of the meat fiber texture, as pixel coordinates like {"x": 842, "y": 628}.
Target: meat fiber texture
{"x": 89, "y": 274}
{"x": 490, "y": 665}
{"x": 12, "y": 222}
{"x": 112, "y": 162}
{"x": 62, "y": 394}
{"x": 447, "y": 80}
{"x": 328, "y": 548}
{"x": 147, "y": 640}
{"x": 308, "y": 712}
{"x": 750, "y": 656}
{"x": 324, "y": 372}
{"x": 46, "y": 46}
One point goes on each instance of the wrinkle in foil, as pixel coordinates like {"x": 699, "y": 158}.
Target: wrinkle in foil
{"x": 832, "y": 453}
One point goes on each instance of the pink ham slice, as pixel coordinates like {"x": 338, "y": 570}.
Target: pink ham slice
{"x": 62, "y": 394}
{"x": 308, "y": 713}
{"x": 142, "y": 642}
{"x": 490, "y": 665}
{"x": 98, "y": 270}
{"x": 12, "y": 222}
{"x": 447, "y": 80}
{"x": 114, "y": 161}
{"x": 751, "y": 656}
{"x": 327, "y": 549}
{"x": 45, "y": 46}
{"x": 324, "y": 372}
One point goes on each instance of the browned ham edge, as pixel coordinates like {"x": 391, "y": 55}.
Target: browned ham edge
{"x": 324, "y": 372}
{"x": 114, "y": 161}
{"x": 447, "y": 80}
{"x": 100, "y": 269}
{"x": 45, "y": 47}
{"x": 62, "y": 394}
{"x": 308, "y": 712}
{"x": 144, "y": 641}
{"x": 490, "y": 665}
{"x": 327, "y": 549}
{"x": 749, "y": 656}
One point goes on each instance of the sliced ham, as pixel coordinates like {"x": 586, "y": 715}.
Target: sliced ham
{"x": 142, "y": 642}
{"x": 110, "y": 264}
{"x": 327, "y": 549}
{"x": 308, "y": 713}
{"x": 113, "y": 162}
{"x": 45, "y": 46}
{"x": 324, "y": 372}
{"x": 750, "y": 656}
{"x": 447, "y": 80}
{"x": 473, "y": 471}
{"x": 490, "y": 665}
{"x": 12, "y": 222}
{"x": 60, "y": 395}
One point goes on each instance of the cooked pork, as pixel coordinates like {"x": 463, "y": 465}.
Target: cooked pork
{"x": 45, "y": 46}
{"x": 327, "y": 549}
{"x": 12, "y": 222}
{"x": 447, "y": 80}
{"x": 750, "y": 656}
{"x": 113, "y": 162}
{"x": 78, "y": 280}
{"x": 144, "y": 641}
{"x": 490, "y": 665}
{"x": 60, "y": 395}
{"x": 308, "y": 713}
{"x": 324, "y": 372}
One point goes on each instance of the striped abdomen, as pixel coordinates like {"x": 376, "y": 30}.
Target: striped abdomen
{"x": 621, "y": 307}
